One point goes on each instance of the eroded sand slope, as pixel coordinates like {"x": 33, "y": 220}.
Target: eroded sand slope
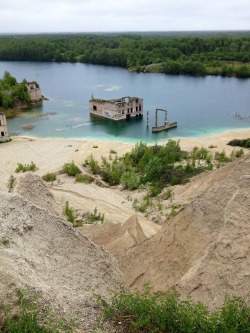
{"x": 204, "y": 250}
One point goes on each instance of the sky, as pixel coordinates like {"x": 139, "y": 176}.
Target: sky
{"x": 34, "y": 16}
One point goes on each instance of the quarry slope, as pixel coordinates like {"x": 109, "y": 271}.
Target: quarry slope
{"x": 204, "y": 250}
{"x": 41, "y": 250}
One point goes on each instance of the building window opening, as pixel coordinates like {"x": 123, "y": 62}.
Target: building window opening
{"x": 2, "y": 133}
{"x": 94, "y": 107}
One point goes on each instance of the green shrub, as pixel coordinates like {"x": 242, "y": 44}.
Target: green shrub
{"x": 221, "y": 157}
{"x": 26, "y": 167}
{"x": 87, "y": 179}
{"x": 130, "y": 180}
{"x": 93, "y": 164}
{"x": 166, "y": 312}
{"x": 69, "y": 213}
{"x": 71, "y": 169}
{"x": 25, "y": 313}
{"x": 245, "y": 143}
{"x": 10, "y": 183}
{"x": 95, "y": 216}
{"x": 49, "y": 177}
{"x": 238, "y": 153}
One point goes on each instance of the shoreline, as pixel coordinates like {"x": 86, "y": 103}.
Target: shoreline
{"x": 49, "y": 155}
{"x": 227, "y": 134}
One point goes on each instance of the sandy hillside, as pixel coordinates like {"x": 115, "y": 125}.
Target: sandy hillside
{"x": 204, "y": 250}
{"x": 119, "y": 237}
{"x": 41, "y": 250}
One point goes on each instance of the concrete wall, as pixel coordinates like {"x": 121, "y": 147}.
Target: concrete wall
{"x": 3, "y": 127}
{"x": 34, "y": 92}
{"x": 117, "y": 109}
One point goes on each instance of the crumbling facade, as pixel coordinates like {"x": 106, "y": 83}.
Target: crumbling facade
{"x": 34, "y": 92}
{"x": 117, "y": 109}
{"x": 4, "y": 135}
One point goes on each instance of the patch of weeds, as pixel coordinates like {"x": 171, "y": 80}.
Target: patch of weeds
{"x": 10, "y": 183}
{"x": 25, "y": 313}
{"x": 49, "y": 177}
{"x": 95, "y": 217}
{"x": 69, "y": 213}
{"x": 112, "y": 151}
{"x": 212, "y": 146}
{"x": 26, "y": 167}
{"x": 221, "y": 157}
{"x": 4, "y": 242}
{"x": 166, "y": 312}
{"x": 143, "y": 206}
{"x": 167, "y": 195}
{"x": 173, "y": 211}
{"x": 71, "y": 169}
{"x": 95, "y": 146}
{"x": 87, "y": 179}
{"x": 238, "y": 153}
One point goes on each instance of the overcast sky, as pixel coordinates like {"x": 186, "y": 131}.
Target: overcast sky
{"x": 123, "y": 15}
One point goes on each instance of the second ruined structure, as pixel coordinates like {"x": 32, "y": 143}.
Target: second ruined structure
{"x": 117, "y": 109}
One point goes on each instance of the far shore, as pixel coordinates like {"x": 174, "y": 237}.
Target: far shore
{"x": 50, "y": 154}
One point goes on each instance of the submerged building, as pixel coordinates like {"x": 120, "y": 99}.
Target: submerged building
{"x": 4, "y": 135}
{"x": 117, "y": 109}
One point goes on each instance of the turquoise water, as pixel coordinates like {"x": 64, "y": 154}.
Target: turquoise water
{"x": 201, "y": 105}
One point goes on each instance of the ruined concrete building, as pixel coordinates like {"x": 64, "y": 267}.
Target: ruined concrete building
{"x": 117, "y": 109}
{"x": 34, "y": 92}
{"x": 3, "y": 127}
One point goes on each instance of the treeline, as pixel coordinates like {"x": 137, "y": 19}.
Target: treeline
{"x": 225, "y": 55}
{"x": 12, "y": 92}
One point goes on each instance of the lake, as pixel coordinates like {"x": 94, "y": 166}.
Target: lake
{"x": 201, "y": 105}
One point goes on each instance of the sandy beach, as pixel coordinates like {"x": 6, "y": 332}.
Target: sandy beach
{"x": 49, "y": 155}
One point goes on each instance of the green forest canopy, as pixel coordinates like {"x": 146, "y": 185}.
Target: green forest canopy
{"x": 203, "y": 54}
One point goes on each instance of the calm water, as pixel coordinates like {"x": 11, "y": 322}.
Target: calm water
{"x": 201, "y": 105}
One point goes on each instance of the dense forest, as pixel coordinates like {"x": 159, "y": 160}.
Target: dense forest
{"x": 223, "y": 54}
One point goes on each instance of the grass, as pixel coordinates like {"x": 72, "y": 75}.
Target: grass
{"x": 26, "y": 167}
{"x": 25, "y": 314}
{"x": 49, "y": 177}
{"x": 167, "y": 313}
{"x": 69, "y": 213}
{"x": 87, "y": 179}
{"x": 10, "y": 183}
{"x": 4, "y": 242}
{"x": 95, "y": 217}
{"x": 71, "y": 169}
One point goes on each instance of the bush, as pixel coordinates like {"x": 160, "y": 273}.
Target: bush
{"x": 71, "y": 169}
{"x": 26, "y": 313}
{"x": 165, "y": 312}
{"x": 130, "y": 180}
{"x": 49, "y": 177}
{"x": 68, "y": 212}
{"x": 95, "y": 216}
{"x": 26, "y": 167}
{"x": 10, "y": 183}
{"x": 245, "y": 143}
{"x": 87, "y": 179}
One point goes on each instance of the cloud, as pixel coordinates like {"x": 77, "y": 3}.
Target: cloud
{"x": 113, "y": 15}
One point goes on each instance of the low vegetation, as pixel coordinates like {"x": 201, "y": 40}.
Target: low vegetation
{"x": 10, "y": 183}
{"x": 71, "y": 169}
{"x": 155, "y": 167}
{"x": 245, "y": 143}
{"x": 166, "y": 312}
{"x": 24, "y": 313}
{"x": 49, "y": 177}
{"x": 26, "y": 167}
